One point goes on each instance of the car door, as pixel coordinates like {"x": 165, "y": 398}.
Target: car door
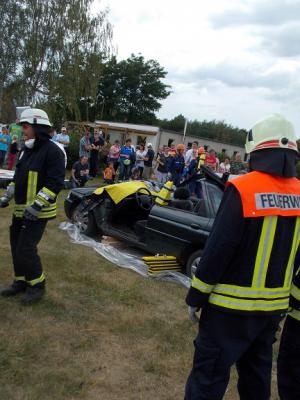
{"x": 170, "y": 230}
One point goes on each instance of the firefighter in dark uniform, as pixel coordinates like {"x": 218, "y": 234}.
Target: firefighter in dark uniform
{"x": 38, "y": 179}
{"x": 288, "y": 366}
{"x": 243, "y": 280}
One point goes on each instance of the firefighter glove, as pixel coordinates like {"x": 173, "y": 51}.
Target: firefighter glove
{"x": 4, "y": 202}
{"x": 32, "y": 212}
{"x": 10, "y": 191}
{"x": 192, "y": 313}
{"x": 8, "y": 195}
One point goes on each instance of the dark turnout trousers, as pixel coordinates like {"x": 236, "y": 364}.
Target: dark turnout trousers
{"x": 24, "y": 238}
{"x": 225, "y": 339}
{"x": 288, "y": 368}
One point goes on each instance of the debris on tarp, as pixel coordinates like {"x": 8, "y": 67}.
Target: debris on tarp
{"x": 123, "y": 256}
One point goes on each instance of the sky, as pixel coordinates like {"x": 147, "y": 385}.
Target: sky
{"x": 236, "y": 60}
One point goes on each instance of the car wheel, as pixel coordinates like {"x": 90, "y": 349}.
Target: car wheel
{"x": 70, "y": 212}
{"x": 192, "y": 263}
{"x": 85, "y": 222}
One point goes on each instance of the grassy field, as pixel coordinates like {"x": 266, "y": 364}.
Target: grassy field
{"x": 101, "y": 332}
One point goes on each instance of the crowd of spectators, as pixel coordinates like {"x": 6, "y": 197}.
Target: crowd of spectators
{"x": 10, "y": 144}
{"x": 122, "y": 162}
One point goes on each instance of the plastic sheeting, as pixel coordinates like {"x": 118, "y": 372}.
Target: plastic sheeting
{"x": 121, "y": 255}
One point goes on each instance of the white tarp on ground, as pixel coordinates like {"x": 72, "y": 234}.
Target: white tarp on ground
{"x": 122, "y": 256}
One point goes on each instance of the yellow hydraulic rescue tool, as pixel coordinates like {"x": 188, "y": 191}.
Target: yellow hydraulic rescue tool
{"x": 163, "y": 197}
{"x": 157, "y": 264}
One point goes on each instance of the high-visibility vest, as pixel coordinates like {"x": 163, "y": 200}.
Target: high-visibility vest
{"x": 264, "y": 194}
{"x": 163, "y": 197}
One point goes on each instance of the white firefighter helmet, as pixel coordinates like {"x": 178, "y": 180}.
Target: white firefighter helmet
{"x": 35, "y": 116}
{"x": 272, "y": 132}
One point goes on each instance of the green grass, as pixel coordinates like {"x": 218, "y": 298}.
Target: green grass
{"x": 101, "y": 332}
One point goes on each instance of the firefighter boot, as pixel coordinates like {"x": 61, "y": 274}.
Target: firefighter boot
{"x": 33, "y": 294}
{"x": 15, "y": 288}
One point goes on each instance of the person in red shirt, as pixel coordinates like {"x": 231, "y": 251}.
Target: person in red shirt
{"x": 211, "y": 160}
{"x": 13, "y": 151}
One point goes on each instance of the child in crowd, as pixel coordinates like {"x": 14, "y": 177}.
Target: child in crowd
{"x": 109, "y": 174}
{"x": 152, "y": 177}
{"x": 136, "y": 174}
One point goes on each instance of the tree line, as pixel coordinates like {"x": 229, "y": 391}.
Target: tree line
{"x": 216, "y": 130}
{"x": 59, "y": 56}
{"x": 52, "y": 53}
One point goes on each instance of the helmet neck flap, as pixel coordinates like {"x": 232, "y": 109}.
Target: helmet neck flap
{"x": 279, "y": 162}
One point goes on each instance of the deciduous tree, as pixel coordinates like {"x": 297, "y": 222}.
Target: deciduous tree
{"x": 131, "y": 90}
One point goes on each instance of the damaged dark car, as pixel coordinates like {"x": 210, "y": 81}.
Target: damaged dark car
{"x": 128, "y": 211}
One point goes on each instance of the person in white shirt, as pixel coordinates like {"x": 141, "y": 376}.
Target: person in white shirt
{"x": 225, "y": 166}
{"x": 53, "y": 139}
{"x": 140, "y": 155}
{"x": 190, "y": 152}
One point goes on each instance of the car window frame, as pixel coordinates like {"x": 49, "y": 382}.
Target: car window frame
{"x": 213, "y": 210}
{"x": 179, "y": 209}
{"x": 206, "y": 200}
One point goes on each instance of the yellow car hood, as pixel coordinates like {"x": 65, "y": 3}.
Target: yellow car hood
{"x": 120, "y": 191}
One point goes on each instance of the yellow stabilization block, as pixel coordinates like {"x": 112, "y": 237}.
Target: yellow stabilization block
{"x": 161, "y": 263}
{"x": 157, "y": 264}
{"x": 159, "y": 258}
{"x": 158, "y": 267}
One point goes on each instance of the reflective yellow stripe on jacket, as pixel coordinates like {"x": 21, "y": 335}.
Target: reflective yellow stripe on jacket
{"x": 295, "y": 314}
{"x": 49, "y": 208}
{"x": 257, "y": 297}
{"x": 200, "y": 285}
{"x": 249, "y": 304}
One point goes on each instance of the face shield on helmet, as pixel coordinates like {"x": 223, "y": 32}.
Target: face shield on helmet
{"x": 273, "y": 132}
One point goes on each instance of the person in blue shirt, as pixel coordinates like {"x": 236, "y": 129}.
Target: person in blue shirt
{"x": 54, "y": 136}
{"x": 63, "y": 138}
{"x": 194, "y": 184}
{"x": 127, "y": 156}
{"x": 85, "y": 145}
{"x": 4, "y": 143}
{"x": 177, "y": 164}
